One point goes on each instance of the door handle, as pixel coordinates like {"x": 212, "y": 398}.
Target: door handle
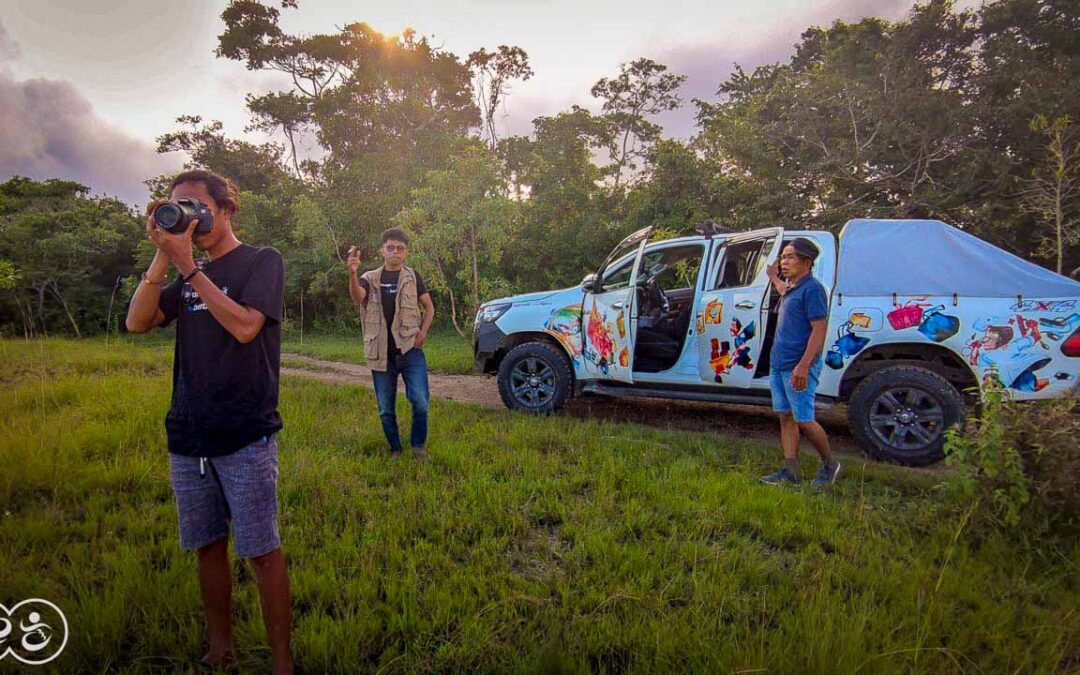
{"x": 745, "y": 304}
{"x": 617, "y": 305}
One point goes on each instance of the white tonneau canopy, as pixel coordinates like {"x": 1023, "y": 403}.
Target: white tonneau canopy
{"x": 928, "y": 257}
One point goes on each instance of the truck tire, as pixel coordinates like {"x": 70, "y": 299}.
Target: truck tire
{"x": 900, "y": 414}
{"x": 535, "y": 377}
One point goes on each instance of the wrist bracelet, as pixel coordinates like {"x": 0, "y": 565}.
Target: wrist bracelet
{"x": 146, "y": 280}
{"x": 187, "y": 277}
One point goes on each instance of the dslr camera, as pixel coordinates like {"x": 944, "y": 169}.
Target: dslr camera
{"x": 175, "y": 216}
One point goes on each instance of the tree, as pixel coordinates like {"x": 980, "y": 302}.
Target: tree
{"x": 492, "y": 74}
{"x": 462, "y": 225}
{"x": 1054, "y": 187}
{"x": 65, "y": 254}
{"x": 642, "y": 89}
{"x": 568, "y": 224}
{"x": 867, "y": 119}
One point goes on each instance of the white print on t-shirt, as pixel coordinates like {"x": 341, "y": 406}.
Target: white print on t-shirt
{"x": 192, "y": 302}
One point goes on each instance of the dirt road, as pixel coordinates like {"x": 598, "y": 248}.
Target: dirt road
{"x": 729, "y": 420}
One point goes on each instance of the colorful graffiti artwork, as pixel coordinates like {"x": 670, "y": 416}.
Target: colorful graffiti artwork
{"x": 1016, "y": 349}
{"x": 723, "y": 356}
{"x": 564, "y": 324}
{"x": 937, "y": 325}
{"x": 599, "y": 333}
{"x": 720, "y": 358}
{"x": 1053, "y": 306}
{"x": 1058, "y": 328}
{"x": 933, "y": 323}
{"x": 848, "y": 344}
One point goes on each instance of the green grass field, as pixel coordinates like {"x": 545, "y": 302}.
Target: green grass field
{"x": 446, "y": 351}
{"x": 522, "y": 545}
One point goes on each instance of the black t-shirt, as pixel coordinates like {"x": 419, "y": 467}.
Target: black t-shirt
{"x": 388, "y": 288}
{"x": 225, "y": 394}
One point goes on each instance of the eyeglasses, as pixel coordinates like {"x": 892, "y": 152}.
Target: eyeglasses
{"x": 394, "y": 248}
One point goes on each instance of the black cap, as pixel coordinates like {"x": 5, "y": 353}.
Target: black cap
{"x": 805, "y": 248}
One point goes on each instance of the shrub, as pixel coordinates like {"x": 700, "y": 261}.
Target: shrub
{"x": 1021, "y": 462}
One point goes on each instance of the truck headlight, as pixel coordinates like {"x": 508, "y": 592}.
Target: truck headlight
{"x": 491, "y": 313}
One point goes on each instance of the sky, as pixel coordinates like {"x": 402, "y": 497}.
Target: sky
{"x": 87, "y": 85}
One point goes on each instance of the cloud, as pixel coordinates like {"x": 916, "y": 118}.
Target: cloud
{"x": 706, "y": 65}
{"x": 49, "y": 130}
{"x": 9, "y": 49}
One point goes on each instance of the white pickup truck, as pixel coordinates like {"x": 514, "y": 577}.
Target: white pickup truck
{"x": 921, "y": 314}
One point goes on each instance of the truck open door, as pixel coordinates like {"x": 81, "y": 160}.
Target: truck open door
{"x": 732, "y": 309}
{"x": 609, "y": 311}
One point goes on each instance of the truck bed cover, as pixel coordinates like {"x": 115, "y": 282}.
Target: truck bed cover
{"x": 917, "y": 257}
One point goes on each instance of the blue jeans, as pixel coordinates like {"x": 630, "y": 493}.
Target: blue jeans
{"x": 412, "y": 366}
{"x": 799, "y": 403}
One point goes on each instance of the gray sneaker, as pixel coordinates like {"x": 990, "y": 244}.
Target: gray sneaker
{"x": 826, "y": 476}
{"x": 782, "y": 476}
{"x": 419, "y": 453}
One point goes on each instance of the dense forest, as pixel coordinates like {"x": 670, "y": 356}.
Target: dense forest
{"x": 966, "y": 116}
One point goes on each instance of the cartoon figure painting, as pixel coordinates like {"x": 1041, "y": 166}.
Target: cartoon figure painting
{"x": 1005, "y": 351}
{"x": 1030, "y": 335}
{"x": 993, "y": 337}
{"x": 723, "y": 357}
{"x": 599, "y": 333}
{"x": 742, "y": 336}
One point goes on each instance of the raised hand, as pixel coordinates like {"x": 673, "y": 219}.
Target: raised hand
{"x": 354, "y": 259}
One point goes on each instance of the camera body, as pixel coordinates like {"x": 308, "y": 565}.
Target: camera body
{"x": 175, "y": 216}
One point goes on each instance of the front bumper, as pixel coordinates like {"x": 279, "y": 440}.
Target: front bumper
{"x": 486, "y": 340}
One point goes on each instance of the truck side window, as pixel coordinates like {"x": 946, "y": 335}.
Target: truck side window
{"x": 742, "y": 263}
{"x": 620, "y": 276}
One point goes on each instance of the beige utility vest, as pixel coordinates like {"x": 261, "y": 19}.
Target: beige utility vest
{"x": 406, "y": 317}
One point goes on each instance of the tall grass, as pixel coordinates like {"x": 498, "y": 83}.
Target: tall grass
{"x": 521, "y": 544}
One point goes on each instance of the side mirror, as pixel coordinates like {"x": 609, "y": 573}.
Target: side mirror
{"x": 590, "y": 284}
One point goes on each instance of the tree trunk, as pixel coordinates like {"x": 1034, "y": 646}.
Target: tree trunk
{"x": 108, "y": 315}
{"x": 24, "y": 314}
{"x": 475, "y": 269}
{"x": 41, "y": 308}
{"x": 63, "y": 303}
{"x": 453, "y": 301}
{"x": 301, "y": 316}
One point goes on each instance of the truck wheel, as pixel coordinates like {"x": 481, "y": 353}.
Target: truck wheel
{"x": 900, "y": 414}
{"x": 535, "y": 377}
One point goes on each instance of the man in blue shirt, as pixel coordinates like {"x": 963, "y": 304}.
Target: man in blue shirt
{"x": 795, "y": 361}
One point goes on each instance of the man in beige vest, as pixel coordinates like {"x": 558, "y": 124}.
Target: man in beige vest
{"x": 389, "y": 299}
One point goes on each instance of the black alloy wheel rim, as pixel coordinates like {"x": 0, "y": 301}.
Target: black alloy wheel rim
{"x": 532, "y": 382}
{"x": 907, "y": 418}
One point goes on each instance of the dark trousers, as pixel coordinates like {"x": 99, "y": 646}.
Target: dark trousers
{"x": 412, "y": 367}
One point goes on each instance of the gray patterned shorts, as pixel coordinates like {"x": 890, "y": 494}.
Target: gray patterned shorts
{"x": 238, "y": 489}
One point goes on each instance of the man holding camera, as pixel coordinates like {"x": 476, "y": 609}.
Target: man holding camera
{"x": 223, "y": 419}
{"x": 389, "y": 299}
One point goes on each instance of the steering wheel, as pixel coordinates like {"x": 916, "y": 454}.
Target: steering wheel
{"x": 656, "y": 294}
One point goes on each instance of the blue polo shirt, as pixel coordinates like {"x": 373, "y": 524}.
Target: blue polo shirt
{"x": 804, "y": 302}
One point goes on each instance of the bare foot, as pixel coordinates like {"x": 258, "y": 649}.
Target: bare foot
{"x": 212, "y": 661}
{"x": 283, "y": 668}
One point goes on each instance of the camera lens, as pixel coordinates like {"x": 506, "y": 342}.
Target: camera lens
{"x": 167, "y": 216}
